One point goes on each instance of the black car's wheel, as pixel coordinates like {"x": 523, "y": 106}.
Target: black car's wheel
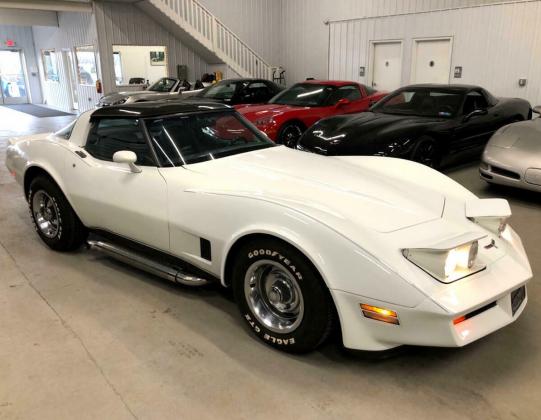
{"x": 289, "y": 134}
{"x": 281, "y": 296}
{"x": 54, "y": 219}
{"x": 426, "y": 152}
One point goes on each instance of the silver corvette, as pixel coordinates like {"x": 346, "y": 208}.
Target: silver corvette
{"x": 513, "y": 155}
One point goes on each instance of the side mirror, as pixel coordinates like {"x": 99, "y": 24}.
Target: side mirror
{"x": 475, "y": 113}
{"x": 342, "y": 102}
{"x": 126, "y": 156}
{"x": 537, "y": 109}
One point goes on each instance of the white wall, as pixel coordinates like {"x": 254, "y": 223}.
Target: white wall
{"x": 136, "y": 62}
{"x": 75, "y": 29}
{"x": 256, "y": 22}
{"x": 124, "y": 24}
{"x": 305, "y": 38}
{"x": 494, "y": 44}
{"x": 22, "y": 35}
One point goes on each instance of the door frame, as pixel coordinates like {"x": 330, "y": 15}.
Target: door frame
{"x": 69, "y": 64}
{"x": 415, "y": 44}
{"x": 371, "y": 56}
{"x": 25, "y": 99}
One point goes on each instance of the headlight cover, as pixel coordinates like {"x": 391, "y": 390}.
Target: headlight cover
{"x": 447, "y": 265}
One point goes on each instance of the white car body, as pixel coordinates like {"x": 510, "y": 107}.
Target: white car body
{"x": 350, "y": 216}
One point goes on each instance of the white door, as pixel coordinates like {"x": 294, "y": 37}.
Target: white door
{"x": 386, "y": 65}
{"x": 13, "y": 87}
{"x": 431, "y": 61}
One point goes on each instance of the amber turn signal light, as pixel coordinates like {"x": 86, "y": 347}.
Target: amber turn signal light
{"x": 380, "y": 314}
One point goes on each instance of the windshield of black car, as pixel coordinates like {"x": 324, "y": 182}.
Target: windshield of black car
{"x": 421, "y": 102}
{"x": 163, "y": 85}
{"x": 186, "y": 139}
{"x": 304, "y": 94}
{"x": 222, "y": 91}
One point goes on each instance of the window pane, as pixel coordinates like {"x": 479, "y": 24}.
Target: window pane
{"x": 86, "y": 65}
{"x": 109, "y": 136}
{"x": 196, "y": 138}
{"x": 429, "y": 103}
{"x": 50, "y": 65}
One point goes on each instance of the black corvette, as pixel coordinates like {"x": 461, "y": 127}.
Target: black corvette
{"x": 432, "y": 124}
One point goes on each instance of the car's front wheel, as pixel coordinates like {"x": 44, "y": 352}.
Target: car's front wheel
{"x": 289, "y": 134}
{"x": 426, "y": 152}
{"x": 281, "y": 296}
{"x": 54, "y": 219}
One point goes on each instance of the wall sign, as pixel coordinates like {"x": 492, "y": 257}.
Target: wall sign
{"x": 458, "y": 72}
{"x": 362, "y": 71}
{"x": 9, "y": 43}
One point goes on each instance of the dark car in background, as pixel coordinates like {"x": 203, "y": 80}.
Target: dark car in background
{"x": 239, "y": 91}
{"x": 432, "y": 124}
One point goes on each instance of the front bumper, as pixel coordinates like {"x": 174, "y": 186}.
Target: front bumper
{"x": 502, "y": 166}
{"x": 425, "y": 325}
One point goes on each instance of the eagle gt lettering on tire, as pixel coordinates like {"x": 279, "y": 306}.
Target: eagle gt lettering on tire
{"x": 281, "y": 296}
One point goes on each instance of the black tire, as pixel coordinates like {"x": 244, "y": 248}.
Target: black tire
{"x": 318, "y": 312}
{"x": 69, "y": 233}
{"x": 290, "y": 133}
{"x": 426, "y": 152}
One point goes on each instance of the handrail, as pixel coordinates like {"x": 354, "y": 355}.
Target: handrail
{"x": 197, "y": 20}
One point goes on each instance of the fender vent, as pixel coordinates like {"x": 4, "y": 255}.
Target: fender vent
{"x": 206, "y": 252}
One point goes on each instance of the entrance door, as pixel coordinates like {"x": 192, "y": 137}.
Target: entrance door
{"x": 12, "y": 81}
{"x": 431, "y": 61}
{"x": 71, "y": 76}
{"x": 386, "y": 65}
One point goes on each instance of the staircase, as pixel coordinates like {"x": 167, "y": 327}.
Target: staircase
{"x": 207, "y": 36}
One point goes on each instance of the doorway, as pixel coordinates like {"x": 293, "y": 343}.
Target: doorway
{"x": 386, "y": 65}
{"x": 13, "y": 86}
{"x": 431, "y": 60}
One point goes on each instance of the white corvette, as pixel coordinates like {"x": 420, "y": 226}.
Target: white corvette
{"x": 390, "y": 251}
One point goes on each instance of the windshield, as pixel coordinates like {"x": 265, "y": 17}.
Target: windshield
{"x": 304, "y": 94}
{"x": 163, "y": 85}
{"x": 222, "y": 91}
{"x": 186, "y": 139}
{"x": 421, "y": 102}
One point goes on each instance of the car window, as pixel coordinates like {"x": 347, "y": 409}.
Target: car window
{"x": 474, "y": 100}
{"x": 186, "y": 139}
{"x": 108, "y": 136}
{"x": 256, "y": 92}
{"x": 304, "y": 94}
{"x": 351, "y": 93}
{"x": 163, "y": 85}
{"x": 421, "y": 102}
{"x": 222, "y": 91}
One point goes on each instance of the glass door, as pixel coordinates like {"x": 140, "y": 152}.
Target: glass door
{"x": 12, "y": 81}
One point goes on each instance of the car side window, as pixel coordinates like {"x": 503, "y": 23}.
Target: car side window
{"x": 256, "y": 92}
{"x": 474, "y": 100}
{"x": 350, "y": 92}
{"x": 110, "y": 135}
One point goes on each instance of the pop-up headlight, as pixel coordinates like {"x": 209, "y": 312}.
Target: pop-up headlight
{"x": 447, "y": 265}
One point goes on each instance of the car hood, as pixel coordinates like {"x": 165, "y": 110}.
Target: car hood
{"x": 368, "y": 129}
{"x": 524, "y": 135}
{"x": 331, "y": 190}
{"x": 253, "y": 112}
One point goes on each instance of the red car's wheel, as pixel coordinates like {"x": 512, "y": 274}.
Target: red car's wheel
{"x": 289, "y": 134}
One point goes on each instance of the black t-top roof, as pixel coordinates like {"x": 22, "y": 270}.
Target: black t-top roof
{"x": 159, "y": 109}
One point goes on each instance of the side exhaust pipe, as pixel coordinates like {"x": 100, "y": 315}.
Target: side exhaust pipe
{"x": 127, "y": 256}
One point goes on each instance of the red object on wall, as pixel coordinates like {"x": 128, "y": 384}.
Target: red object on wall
{"x": 10, "y": 43}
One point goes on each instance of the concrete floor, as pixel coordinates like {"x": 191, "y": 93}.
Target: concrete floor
{"x": 83, "y": 337}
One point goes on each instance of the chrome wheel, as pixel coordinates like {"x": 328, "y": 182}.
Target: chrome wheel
{"x": 274, "y": 296}
{"x": 426, "y": 154}
{"x": 45, "y": 214}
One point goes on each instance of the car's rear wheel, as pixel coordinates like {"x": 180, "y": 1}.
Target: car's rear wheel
{"x": 289, "y": 134}
{"x": 426, "y": 152}
{"x": 281, "y": 296}
{"x": 54, "y": 219}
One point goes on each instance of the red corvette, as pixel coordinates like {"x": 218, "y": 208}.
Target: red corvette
{"x": 286, "y": 116}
